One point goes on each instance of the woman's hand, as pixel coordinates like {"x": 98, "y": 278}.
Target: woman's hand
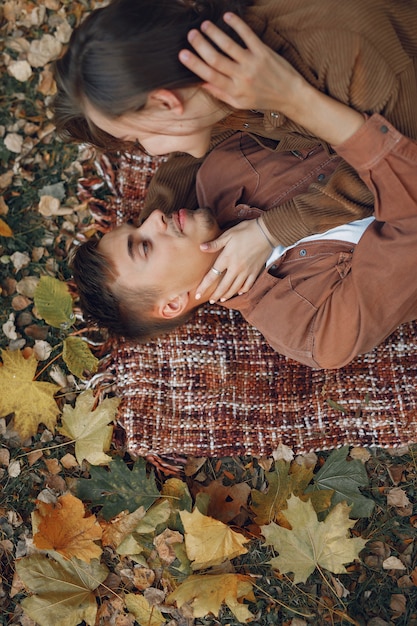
{"x": 256, "y": 77}
{"x": 247, "y": 78}
{"x": 245, "y": 250}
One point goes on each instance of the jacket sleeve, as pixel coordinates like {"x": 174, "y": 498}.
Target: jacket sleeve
{"x": 376, "y": 76}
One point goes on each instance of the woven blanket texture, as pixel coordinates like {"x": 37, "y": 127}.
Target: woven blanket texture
{"x": 215, "y": 388}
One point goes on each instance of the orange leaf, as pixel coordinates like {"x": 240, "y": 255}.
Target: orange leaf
{"x": 5, "y": 230}
{"x": 63, "y": 527}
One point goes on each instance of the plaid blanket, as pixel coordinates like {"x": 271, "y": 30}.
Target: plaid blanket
{"x": 215, "y": 388}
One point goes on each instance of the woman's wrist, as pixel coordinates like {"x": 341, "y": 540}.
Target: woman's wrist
{"x": 323, "y": 116}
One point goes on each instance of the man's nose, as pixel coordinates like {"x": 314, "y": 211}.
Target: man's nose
{"x": 157, "y": 220}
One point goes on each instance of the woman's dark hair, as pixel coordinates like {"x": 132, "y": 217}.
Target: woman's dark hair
{"x": 124, "y": 315}
{"x": 121, "y": 53}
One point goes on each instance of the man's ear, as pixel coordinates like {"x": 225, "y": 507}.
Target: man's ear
{"x": 174, "y": 307}
{"x": 166, "y": 99}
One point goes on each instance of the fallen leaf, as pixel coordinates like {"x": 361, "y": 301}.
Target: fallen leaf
{"x": 54, "y": 303}
{"x": 90, "y": 429}
{"x": 269, "y": 504}
{"x": 209, "y": 542}
{"x": 206, "y": 594}
{"x": 20, "y": 70}
{"x": 116, "y": 531}
{"x": 63, "y": 589}
{"x": 14, "y": 142}
{"x": 62, "y": 527}
{"x": 78, "y": 357}
{"x": 44, "y": 50}
{"x": 282, "y": 452}
{"x": 397, "y": 497}
{"x": 163, "y": 543}
{"x": 5, "y": 230}
{"x": 31, "y": 401}
{"x": 119, "y": 488}
{"x": 310, "y": 543}
{"x": 226, "y": 502}
{"x": 145, "y": 614}
{"x": 345, "y": 478}
{"x": 392, "y": 562}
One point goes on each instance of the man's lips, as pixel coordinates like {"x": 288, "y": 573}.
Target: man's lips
{"x": 178, "y": 219}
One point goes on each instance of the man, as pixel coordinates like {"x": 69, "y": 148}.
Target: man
{"x": 321, "y": 302}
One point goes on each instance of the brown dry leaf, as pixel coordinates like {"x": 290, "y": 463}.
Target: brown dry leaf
{"x": 397, "y": 605}
{"x": 163, "y": 544}
{"x": 115, "y": 531}
{"x": 209, "y": 542}
{"x": 31, "y": 401}
{"x": 225, "y": 501}
{"x": 206, "y": 594}
{"x": 143, "y": 577}
{"x": 397, "y": 497}
{"x": 5, "y": 230}
{"x": 63, "y": 527}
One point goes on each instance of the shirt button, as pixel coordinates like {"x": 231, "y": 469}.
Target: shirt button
{"x": 321, "y": 177}
{"x": 384, "y": 129}
{"x": 245, "y": 125}
{"x": 273, "y": 114}
{"x": 273, "y": 267}
{"x": 303, "y": 252}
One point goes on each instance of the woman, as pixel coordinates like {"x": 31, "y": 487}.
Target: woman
{"x": 121, "y": 79}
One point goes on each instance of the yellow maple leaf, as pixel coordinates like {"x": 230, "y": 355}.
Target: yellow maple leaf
{"x": 31, "y": 401}
{"x": 209, "y": 542}
{"x": 145, "y": 614}
{"x": 63, "y": 590}
{"x": 206, "y": 594}
{"x": 62, "y": 527}
{"x": 89, "y": 428}
{"x": 310, "y": 543}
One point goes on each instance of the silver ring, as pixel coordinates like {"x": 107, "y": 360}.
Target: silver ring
{"x": 213, "y": 269}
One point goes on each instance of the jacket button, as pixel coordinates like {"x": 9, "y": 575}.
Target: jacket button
{"x": 273, "y": 114}
{"x": 245, "y": 125}
{"x": 384, "y": 129}
{"x": 273, "y": 267}
{"x": 303, "y": 252}
{"x": 321, "y": 177}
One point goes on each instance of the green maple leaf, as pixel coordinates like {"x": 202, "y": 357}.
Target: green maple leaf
{"x": 63, "y": 589}
{"x": 31, "y": 401}
{"x": 119, "y": 488}
{"x": 345, "y": 478}
{"x": 310, "y": 543}
{"x": 90, "y": 428}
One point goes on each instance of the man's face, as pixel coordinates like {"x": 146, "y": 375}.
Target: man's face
{"x": 163, "y": 253}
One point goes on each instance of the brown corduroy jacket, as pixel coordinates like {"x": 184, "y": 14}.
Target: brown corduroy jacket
{"x": 363, "y": 53}
{"x": 325, "y": 301}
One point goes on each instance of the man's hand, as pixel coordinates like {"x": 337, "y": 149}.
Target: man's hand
{"x": 245, "y": 251}
{"x": 254, "y": 77}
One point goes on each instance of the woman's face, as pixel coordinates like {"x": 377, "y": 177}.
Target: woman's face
{"x": 179, "y": 121}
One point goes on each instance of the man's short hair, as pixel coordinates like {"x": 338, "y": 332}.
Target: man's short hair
{"x": 126, "y": 314}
